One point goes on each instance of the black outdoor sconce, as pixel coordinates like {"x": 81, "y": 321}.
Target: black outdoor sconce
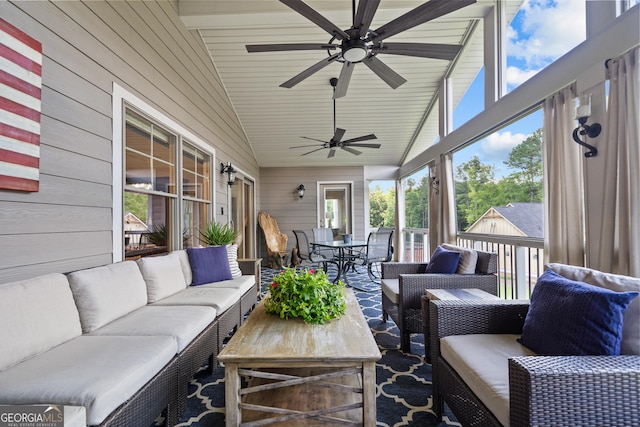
{"x": 300, "y": 190}
{"x": 592, "y": 131}
{"x": 230, "y": 171}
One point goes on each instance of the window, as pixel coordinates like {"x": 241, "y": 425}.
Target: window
{"x": 162, "y": 189}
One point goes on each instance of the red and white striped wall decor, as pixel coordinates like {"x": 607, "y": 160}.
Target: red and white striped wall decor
{"x": 20, "y": 95}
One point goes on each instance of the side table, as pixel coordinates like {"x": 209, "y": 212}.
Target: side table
{"x": 446, "y": 294}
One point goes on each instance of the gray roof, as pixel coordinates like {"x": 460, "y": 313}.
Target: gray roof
{"x": 528, "y": 217}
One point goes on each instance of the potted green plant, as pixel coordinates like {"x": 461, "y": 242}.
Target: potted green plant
{"x": 217, "y": 234}
{"x": 306, "y": 294}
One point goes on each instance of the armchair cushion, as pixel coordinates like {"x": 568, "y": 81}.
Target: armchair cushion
{"x": 210, "y": 264}
{"x": 570, "y": 318}
{"x": 443, "y": 261}
{"x": 468, "y": 258}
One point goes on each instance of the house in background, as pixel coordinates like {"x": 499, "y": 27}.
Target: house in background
{"x": 515, "y": 219}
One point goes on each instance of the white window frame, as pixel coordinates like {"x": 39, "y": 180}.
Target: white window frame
{"x": 122, "y": 98}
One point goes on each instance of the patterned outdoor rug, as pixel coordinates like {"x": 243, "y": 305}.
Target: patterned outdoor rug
{"x": 403, "y": 380}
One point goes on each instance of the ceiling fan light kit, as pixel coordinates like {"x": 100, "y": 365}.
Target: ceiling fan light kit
{"x": 361, "y": 44}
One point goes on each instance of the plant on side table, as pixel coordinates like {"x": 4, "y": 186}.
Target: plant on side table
{"x": 306, "y": 294}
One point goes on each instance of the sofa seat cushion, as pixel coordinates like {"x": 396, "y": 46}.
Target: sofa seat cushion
{"x": 219, "y": 298}
{"x": 99, "y": 373}
{"x": 482, "y": 362}
{"x": 630, "y": 343}
{"x": 163, "y": 275}
{"x": 104, "y": 294}
{"x": 391, "y": 289}
{"x": 242, "y": 283}
{"x": 183, "y": 323}
{"x": 36, "y": 314}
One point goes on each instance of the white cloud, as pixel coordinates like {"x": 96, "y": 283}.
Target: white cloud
{"x": 499, "y": 144}
{"x": 517, "y": 76}
{"x": 549, "y": 29}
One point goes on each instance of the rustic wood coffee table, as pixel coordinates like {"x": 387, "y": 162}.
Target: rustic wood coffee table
{"x": 324, "y": 374}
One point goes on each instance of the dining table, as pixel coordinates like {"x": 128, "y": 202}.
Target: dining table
{"x": 345, "y": 256}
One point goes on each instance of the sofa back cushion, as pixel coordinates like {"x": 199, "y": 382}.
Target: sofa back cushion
{"x": 163, "y": 275}
{"x": 35, "y": 315}
{"x": 185, "y": 265}
{"x": 631, "y": 319}
{"x": 104, "y": 294}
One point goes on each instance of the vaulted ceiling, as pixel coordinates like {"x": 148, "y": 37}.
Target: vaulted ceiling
{"x": 405, "y": 120}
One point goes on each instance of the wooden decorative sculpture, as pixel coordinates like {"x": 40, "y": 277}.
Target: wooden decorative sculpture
{"x": 276, "y": 241}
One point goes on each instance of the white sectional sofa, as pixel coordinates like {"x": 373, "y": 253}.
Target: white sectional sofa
{"x": 120, "y": 340}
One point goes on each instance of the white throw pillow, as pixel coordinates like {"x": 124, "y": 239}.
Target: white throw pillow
{"x": 186, "y": 266}
{"x": 163, "y": 275}
{"x": 630, "y": 343}
{"x": 468, "y": 258}
{"x": 104, "y": 294}
{"x": 232, "y": 254}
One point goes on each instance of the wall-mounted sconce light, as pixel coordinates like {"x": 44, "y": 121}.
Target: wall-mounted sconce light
{"x": 583, "y": 111}
{"x": 300, "y": 190}
{"x": 230, "y": 171}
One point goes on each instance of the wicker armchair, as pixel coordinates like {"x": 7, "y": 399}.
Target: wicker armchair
{"x": 543, "y": 390}
{"x": 404, "y": 283}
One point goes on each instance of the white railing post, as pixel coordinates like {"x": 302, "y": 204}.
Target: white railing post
{"x": 521, "y": 275}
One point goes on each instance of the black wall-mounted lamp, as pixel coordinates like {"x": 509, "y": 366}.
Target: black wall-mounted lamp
{"x": 300, "y": 190}
{"x": 583, "y": 111}
{"x": 230, "y": 171}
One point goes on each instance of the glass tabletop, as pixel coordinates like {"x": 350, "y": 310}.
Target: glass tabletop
{"x": 341, "y": 244}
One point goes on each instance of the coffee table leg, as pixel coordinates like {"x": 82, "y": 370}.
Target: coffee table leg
{"x": 233, "y": 415}
{"x": 369, "y": 394}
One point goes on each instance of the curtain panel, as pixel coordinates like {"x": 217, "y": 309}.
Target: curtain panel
{"x": 619, "y": 237}
{"x": 564, "y": 229}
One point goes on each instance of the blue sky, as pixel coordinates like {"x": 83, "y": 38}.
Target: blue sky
{"x": 541, "y": 32}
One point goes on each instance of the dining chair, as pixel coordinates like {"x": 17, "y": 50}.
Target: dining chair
{"x": 324, "y": 235}
{"x": 379, "y": 249}
{"x": 307, "y": 253}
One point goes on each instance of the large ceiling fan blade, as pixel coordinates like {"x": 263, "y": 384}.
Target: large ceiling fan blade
{"x": 364, "y": 15}
{"x": 313, "y": 139}
{"x": 344, "y": 79}
{"x": 337, "y": 136}
{"x": 426, "y": 12}
{"x": 305, "y": 10}
{"x": 360, "y": 138}
{"x": 304, "y": 146}
{"x": 383, "y": 71}
{"x": 309, "y": 71}
{"x": 365, "y": 145}
{"x": 312, "y": 151}
{"x": 425, "y": 50}
{"x": 332, "y": 153}
{"x": 252, "y": 48}
{"x": 352, "y": 151}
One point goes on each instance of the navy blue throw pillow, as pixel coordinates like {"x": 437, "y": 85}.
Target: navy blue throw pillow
{"x": 570, "y": 318}
{"x": 209, "y": 264}
{"x": 443, "y": 261}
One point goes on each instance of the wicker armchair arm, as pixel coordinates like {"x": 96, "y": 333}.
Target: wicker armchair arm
{"x": 574, "y": 390}
{"x": 462, "y": 317}
{"x": 392, "y": 270}
{"x": 412, "y": 286}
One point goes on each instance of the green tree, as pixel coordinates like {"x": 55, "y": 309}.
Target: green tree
{"x": 478, "y": 191}
{"x": 526, "y": 160}
{"x": 137, "y": 204}
{"x": 417, "y": 203}
{"x": 382, "y": 212}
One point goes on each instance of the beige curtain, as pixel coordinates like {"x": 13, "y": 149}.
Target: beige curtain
{"x": 442, "y": 216}
{"x": 619, "y": 239}
{"x": 563, "y": 180}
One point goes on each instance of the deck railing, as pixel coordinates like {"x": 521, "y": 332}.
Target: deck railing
{"x": 520, "y": 259}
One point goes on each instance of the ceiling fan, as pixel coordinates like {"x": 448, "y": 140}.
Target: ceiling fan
{"x": 336, "y": 141}
{"x": 362, "y": 44}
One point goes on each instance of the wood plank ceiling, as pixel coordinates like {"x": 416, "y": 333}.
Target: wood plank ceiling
{"x": 276, "y": 118}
